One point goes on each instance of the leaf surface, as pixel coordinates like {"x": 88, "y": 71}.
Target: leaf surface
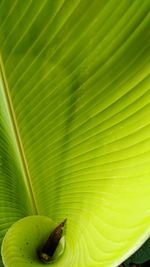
{"x": 77, "y": 75}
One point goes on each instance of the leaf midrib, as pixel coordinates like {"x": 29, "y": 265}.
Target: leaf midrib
{"x": 28, "y": 180}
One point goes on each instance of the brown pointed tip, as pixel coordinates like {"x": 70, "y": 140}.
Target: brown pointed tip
{"x": 63, "y": 223}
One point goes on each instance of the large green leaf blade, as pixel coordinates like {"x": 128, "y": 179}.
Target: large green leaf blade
{"x": 79, "y": 84}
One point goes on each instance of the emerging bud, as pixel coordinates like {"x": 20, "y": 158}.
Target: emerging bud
{"x": 47, "y": 252}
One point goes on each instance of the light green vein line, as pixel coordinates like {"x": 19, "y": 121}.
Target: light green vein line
{"x": 29, "y": 26}
{"x": 68, "y": 51}
{"x": 77, "y": 143}
{"x": 48, "y": 58}
{"x": 97, "y": 95}
{"x": 104, "y": 160}
{"x": 94, "y": 127}
{"x": 18, "y": 21}
{"x": 9, "y": 13}
{"x": 18, "y": 139}
{"x": 80, "y": 143}
{"x": 68, "y": 15}
{"x": 82, "y": 183}
{"x": 38, "y": 39}
{"x": 33, "y": 88}
{"x": 35, "y": 59}
{"x": 102, "y": 156}
{"x": 99, "y": 169}
{"x": 84, "y": 141}
{"x": 97, "y": 148}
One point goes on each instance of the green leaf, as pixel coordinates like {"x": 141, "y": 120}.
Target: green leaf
{"x": 25, "y": 240}
{"x": 14, "y": 197}
{"x": 75, "y": 128}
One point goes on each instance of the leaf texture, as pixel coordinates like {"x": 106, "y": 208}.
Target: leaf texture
{"x": 14, "y": 198}
{"x": 78, "y": 78}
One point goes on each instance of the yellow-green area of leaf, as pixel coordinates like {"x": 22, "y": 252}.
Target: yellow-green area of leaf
{"x": 25, "y": 239}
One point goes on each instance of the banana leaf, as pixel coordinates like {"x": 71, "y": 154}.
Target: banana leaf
{"x": 74, "y": 123}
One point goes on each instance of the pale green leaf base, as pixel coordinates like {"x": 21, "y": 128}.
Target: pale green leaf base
{"x": 24, "y": 240}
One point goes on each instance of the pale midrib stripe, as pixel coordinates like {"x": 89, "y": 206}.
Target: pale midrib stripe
{"x": 18, "y": 139}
